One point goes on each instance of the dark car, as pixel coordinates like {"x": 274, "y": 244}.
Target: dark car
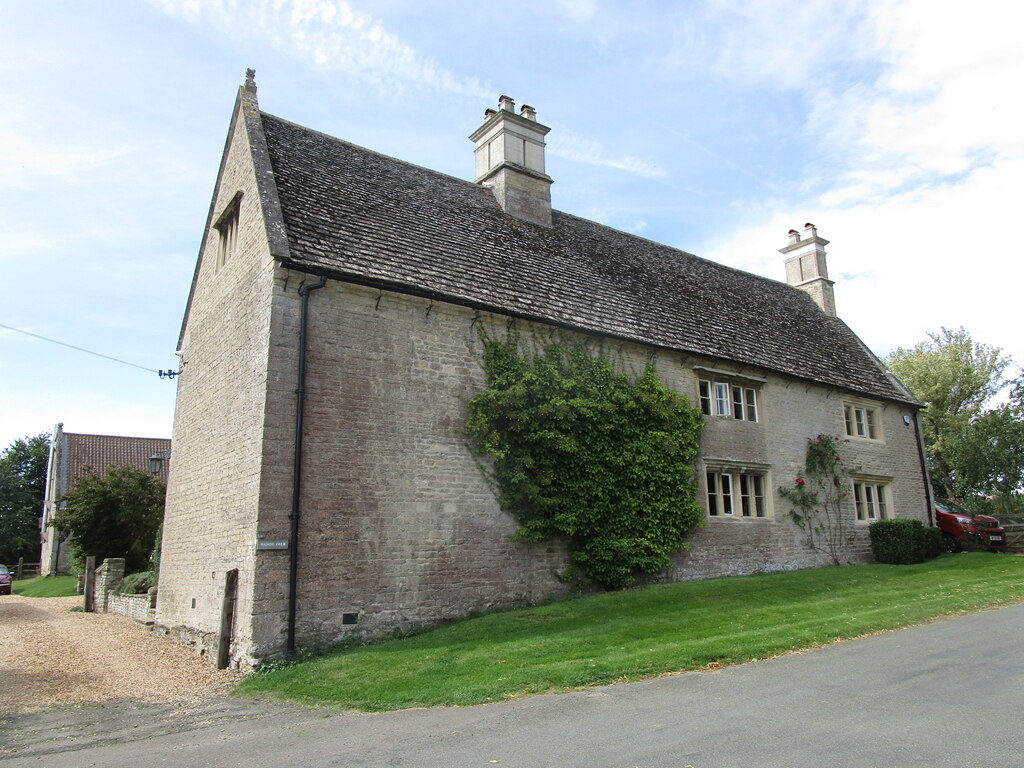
{"x": 5, "y": 580}
{"x": 961, "y": 529}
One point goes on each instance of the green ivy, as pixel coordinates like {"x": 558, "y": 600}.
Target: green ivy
{"x": 583, "y": 451}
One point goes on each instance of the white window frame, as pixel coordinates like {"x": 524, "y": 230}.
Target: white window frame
{"x": 727, "y": 399}
{"x": 738, "y": 492}
{"x": 871, "y": 500}
{"x": 862, "y": 420}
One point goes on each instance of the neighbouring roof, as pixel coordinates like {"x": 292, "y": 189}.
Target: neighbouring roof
{"x": 356, "y": 215}
{"x": 82, "y": 453}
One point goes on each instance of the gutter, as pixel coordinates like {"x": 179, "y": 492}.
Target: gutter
{"x": 293, "y": 517}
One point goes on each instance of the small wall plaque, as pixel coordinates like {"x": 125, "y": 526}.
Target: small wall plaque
{"x": 264, "y": 544}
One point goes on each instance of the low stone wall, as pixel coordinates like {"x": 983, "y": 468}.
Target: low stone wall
{"x": 106, "y": 600}
{"x": 139, "y": 607}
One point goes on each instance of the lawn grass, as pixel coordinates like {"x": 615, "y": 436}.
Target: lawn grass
{"x": 633, "y": 634}
{"x": 46, "y": 586}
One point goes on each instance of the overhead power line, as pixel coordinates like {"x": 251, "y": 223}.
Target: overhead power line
{"x": 80, "y": 349}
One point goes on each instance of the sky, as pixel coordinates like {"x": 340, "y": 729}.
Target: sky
{"x": 713, "y": 126}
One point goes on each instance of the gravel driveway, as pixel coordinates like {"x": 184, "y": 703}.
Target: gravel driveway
{"x": 54, "y": 656}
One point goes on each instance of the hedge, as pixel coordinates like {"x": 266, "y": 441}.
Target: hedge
{"x": 901, "y": 542}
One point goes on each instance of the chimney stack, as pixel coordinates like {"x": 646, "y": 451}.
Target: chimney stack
{"x": 806, "y": 267}
{"x": 510, "y": 160}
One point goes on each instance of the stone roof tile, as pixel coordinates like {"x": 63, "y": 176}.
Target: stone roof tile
{"x": 357, "y": 215}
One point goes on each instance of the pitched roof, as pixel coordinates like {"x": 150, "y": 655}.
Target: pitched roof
{"x": 356, "y": 215}
{"x": 83, "y": 453}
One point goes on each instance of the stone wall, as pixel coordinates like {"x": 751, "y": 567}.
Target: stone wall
{"x": 142, "y": 608}
{"x": 399, "y": 525}
{"x": 106, "y": 599}
{"x": 213, "y": 490}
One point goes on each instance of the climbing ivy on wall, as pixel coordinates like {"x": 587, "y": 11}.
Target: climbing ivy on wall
{"x": 583, "y": 451}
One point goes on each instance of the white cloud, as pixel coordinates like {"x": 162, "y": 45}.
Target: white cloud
{"x": 787, "y": 44}
{"x": 331, "y": 35}
{"x": 576, "y": 10}
{"x": 928, "y": 170}
{"x": 564, "y": 143}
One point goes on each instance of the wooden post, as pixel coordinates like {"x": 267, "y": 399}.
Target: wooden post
{"x": 90, "y": 583}
{"x": 227, "y": 616}
{"x": 19, "y": 573}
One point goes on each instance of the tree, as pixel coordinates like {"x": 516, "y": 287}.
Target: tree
{"x": 114, "y": 515}
{"x": 22, "y": 487}
{"x": 971, "y": 449}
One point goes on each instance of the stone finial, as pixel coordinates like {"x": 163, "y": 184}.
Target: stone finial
{"x": 250, "y": 80}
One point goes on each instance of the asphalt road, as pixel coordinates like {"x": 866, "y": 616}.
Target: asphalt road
{"x": 943, "y": 694}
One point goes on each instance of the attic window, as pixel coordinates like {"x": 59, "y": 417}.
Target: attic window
{"x": 227, "y": 226}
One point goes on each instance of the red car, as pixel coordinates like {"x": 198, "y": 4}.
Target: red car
{"x": 963, "y": 530}
{"x": 5, "y": 580}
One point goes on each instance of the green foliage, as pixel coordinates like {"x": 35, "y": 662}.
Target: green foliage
{"x": 22, "y": 487}
{"x": 137, "y": 583}
{"x": 817, "y": 495}
{"x": 972, "y": 450}
{"x": 114, "y": 515}
{"x": 902, "y": 542}
{"x": 582, "y": 451}
{"x": 637, "y": 633}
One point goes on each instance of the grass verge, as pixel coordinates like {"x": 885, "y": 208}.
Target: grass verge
{"x": 633, "y": 634}
{"x": 46, "y": 586}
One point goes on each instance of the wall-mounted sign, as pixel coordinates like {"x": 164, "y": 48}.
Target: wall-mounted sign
{"x": 264, "y": 544}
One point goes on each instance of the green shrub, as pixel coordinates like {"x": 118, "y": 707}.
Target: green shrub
{"x": 137, "y": 583}
{"x": 901, "y": 542}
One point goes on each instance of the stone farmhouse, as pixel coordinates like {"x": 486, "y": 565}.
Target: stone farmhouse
{"x": 74, "y": 455}
{"x": 322, "y": 483}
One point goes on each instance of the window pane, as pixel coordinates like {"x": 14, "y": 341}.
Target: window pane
{"x": 880, "y": 494}
{"x": 858, "y": 414}
{"x": 858, "y": 496}
{"x": 848, "y": 413}
{"x": 721, "y": 399}
{"x": 751, "y": 404}
{"x": 712, "y": 493}
{"x": 745, "y": 495}
{"x": 705, "y": 397}
{"x": 726, "y": 494}
{"x": 759, "y": 495}
{"x": 737, "y": 403}
{"x": 869, "y": 415}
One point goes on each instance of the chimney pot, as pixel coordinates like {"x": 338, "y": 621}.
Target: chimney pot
{"x": 528, "y": 112}
{"x": 794, "y": 236}
{"x": 506, "y": 103}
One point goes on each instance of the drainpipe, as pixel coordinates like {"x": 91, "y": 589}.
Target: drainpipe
{"x": 924, "y": 468}
{"x": 293, "y": 517}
